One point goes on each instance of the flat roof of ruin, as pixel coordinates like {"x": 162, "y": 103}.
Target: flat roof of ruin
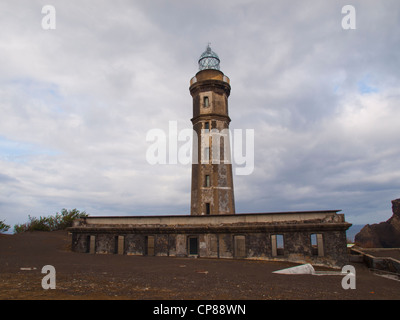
{"x": 217, "y": 215}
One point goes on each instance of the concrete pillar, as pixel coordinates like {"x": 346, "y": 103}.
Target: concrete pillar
{"x": 121, "y": 244}
{"x": 92, "y": 244}
{"x": 274, "y": 246}
{"x": 240, "y": 246}
{"x": 320, "y": 244}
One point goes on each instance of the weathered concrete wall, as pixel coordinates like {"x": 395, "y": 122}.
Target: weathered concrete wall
{"x": 161, "y": 245}
{"x": 225, "y": 245}
{"x": 297, "y": 246}
{"x": 181, "y": 245}
{"x": 172, "y": 245}
{"x": 80, "y": 242}
{"x": 378, "y": 262}
{"x": 105, "y": 243}
{"x": 258, "y": 245}
{"x": 209, "y": 246}
{"x": 251, "y": 236}
{"x": 134, "y": 244}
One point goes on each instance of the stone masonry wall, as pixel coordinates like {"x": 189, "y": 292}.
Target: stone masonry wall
{"x": 297, "y": 246}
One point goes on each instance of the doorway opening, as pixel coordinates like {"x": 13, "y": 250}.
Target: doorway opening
{"x": 193, "y": 246}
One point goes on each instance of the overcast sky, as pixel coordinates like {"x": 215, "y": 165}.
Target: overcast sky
{"x": 77, "y": 102}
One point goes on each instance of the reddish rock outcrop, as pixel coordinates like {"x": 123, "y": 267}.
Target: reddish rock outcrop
{"x": 382, "y": 235}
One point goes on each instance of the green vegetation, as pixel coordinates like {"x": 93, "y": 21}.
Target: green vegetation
{"x": 59, "y": 221}
{"x": 4, "y": 227}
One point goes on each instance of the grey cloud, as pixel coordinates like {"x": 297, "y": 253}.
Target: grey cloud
{"x": 112, "y": 71}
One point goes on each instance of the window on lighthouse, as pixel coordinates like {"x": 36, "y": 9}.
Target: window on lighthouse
{"x": 206, "y": 102}
{"x": 207, "y": 181}
{"x": 208, "y": 209}
{"x": 206, "y": 155}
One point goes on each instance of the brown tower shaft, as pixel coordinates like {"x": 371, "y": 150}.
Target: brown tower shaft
{"x": 212, "y": 181}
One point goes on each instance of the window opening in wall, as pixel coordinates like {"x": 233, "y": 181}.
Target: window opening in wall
{"x": 193, "y": 246}
{"x": 87, "y": 244}
{"x": 206, "y": 102}
{"x": 278, "y": 245}
{"x": 207, "y": 126}
{"x": 116, "y": 244}
{"x": 317, "y": 244}
{"x": 208, "y": 209}
{"x": 207, "y": 181}
{"x": 206, "y": 155}
{"x": 314, "y": 245}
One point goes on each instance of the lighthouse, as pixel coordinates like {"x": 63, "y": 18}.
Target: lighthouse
{"x": 212, "y": 180}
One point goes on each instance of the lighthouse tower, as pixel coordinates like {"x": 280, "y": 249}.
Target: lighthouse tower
{"x": 212, "y": 182}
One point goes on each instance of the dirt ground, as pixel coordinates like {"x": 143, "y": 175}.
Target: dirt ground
{"x": 92, "y": 277}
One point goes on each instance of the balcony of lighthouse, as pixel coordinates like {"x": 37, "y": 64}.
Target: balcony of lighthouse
{"x": 209, "y": 74}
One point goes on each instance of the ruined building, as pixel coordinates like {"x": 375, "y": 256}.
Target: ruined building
{"x": 213, "y": 229}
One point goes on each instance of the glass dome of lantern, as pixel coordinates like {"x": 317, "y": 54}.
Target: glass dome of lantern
{"x": 209, "y": 60}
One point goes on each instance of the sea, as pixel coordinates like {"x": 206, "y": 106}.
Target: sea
{"x": 353, "y": 230}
